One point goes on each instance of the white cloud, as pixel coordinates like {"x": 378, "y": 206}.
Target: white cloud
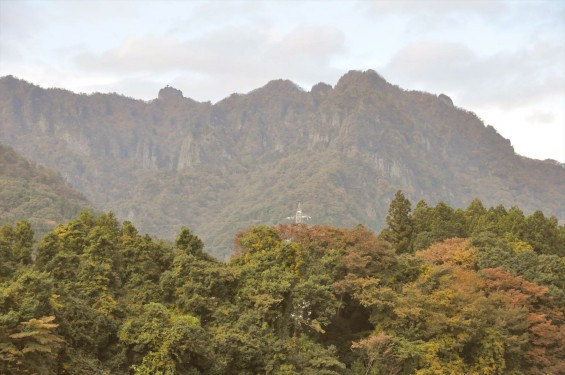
{"x": 492, "y": 57}
{"x": 10, "y": 52}
{"x": 96, "y": 12}
{"x": 208, "y": 15}
{"x": 19, "y": 20}
{"x": 536, "y": 131}
{"x": 506, "y": 79}
{"x": 541, "y": 117}
{"x": 435, "y": 7}
{"x": 232, "y": 58}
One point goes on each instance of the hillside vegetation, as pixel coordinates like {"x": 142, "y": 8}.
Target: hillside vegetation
{"x": 342, "y": 151}
{"x": 474, "y": 291}
{"x": 36, "y": 194}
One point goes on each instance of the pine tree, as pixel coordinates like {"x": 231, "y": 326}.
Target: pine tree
{"x": 189, "y": 242}
{"x": 399, "y": 221}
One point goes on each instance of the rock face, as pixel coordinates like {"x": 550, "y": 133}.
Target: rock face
{"x": 445, "y": 99}
{"x": 169, "y": 93}
{"x": 342, "y": 151}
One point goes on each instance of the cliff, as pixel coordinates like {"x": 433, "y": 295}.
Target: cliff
{"x": 342, "y": 151}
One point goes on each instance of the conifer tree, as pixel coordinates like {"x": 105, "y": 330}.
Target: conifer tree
{"x": 189, "y": 242}
{"x": 399, "y": 224}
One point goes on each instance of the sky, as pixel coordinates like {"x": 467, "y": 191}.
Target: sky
{"x": 503, "y": 60}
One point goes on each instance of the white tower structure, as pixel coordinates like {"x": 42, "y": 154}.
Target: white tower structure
{"x": 299, "y": 217}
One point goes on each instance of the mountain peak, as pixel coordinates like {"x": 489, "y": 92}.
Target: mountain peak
{"x": 170, "y": 93}
{"x": 282, "y": 85}
{"x": 278, "y": 88}
{"x": 11, "y": 82}
{"x": 320, "y": 88}
{"x": 361, "y": 78}
{"x": 347, "y": 148}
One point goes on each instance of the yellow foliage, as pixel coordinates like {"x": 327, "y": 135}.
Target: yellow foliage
{"x": 521, "y": 247}
{"x": 54, "y": 301}
{"x": 62, "y": 231}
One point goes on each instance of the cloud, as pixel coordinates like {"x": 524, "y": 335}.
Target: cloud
{"x": 535, "y": 131}
{"x": 232, "y": 58}
{"x": 94, "y": 13}
{"x": 508, "y": 79}
{"x": 19, "y": 20}
{"x": 20, "y": 24}
{"x": 541, "y": 117}
{"x": 429, "y": 16}
{"x": 10, "y": 52}
{"x": 437, "y": 7}
{"x": 207, "y": 15}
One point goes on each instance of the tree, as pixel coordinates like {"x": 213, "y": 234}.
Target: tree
{"x": 302, "y": 355}
{"x": 453, "y": 319}
{"x": 436, "y": 224}
{"x": 32, "y": 348}
{"x": 188, "y": 242}
{"x": 16, "y": 246}
{"x": 473, "y": 215}
{"x": 163, "y": 342}
{"x": 377, "y": 352}
{"x": 197, "y": 285}
{"x": 447, "y": 222}
{"x": 291, "y": 301}
{"x": 399, "y": 221}
{"x": 23, "y": 242}
{"x": 543, "y": 326}
{"x": 543, "y": 234}
{"x": 8, "y": 264}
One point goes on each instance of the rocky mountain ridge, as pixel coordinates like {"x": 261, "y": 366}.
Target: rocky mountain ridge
{"x": 218, "y": 168}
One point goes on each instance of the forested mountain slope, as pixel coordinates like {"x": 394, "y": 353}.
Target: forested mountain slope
{"x": 342, "y": 151}
{"x": 34, "y": 193}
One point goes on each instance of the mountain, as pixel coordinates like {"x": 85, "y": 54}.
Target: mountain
{"x": 218, "y": 168}
{"x": 35, "y": 193}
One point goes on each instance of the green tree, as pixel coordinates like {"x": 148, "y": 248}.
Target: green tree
{"x": 473, "y": 215}
{"x": 302, "y": 355}
{"x": 543, "y": 234}
{"x": 141, "y": 262}
{"x": 8, "y": 264}
{"x": 23, "y": 242}
{"x": 514, "y": 223}
{"x": 165, "y": 343}
{"x": 421, "y": 217}
{"x": 399, "y": 224}
{"x": 188, "y": 242}
{"x": 16, "y": 247}
{"x": 27, "y": 295}
{"x": 197, "y": 285}
{"x": 437, "y": 224}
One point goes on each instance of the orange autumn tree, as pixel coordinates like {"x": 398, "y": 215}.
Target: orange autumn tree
{"x": 544, "y": 324}
{"x": 456, "y": 319}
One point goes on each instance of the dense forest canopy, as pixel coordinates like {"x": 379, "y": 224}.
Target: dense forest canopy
{"x": 439, "y": 291}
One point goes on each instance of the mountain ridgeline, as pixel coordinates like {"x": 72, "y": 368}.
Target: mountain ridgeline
{"x": 342, "y": 151}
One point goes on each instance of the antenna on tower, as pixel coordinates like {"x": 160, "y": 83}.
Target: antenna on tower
{"x": 299, "y": 217}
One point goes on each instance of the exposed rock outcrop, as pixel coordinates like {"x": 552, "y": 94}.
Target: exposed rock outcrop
{"x": 343, "y": 151}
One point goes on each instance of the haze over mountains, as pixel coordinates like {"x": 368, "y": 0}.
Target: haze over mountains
{"x": 218, "y": 168}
